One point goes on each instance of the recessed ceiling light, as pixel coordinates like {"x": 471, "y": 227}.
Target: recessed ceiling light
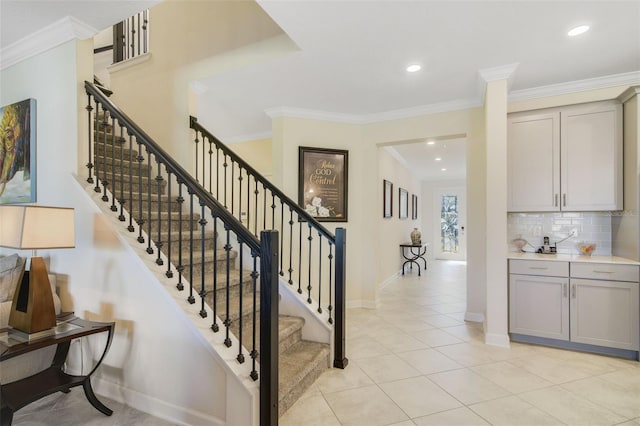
{"x": 437, "y": 159}
{"x": 431, "y": 143}
{"x": 414, "y": 68}
{"x": 578, "y": 30}
{"x": 443, "y": 169}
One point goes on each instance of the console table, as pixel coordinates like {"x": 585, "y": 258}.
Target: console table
{"x": 412, "y": 253}
{"x": 20, "y": 393}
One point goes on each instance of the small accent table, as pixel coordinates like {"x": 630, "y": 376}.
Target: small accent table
{"x": 413, "y": 252}
{"x": 20, "y": 393}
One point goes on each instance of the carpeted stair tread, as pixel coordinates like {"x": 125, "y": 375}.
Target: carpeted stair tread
{"x": 300, "y": 366}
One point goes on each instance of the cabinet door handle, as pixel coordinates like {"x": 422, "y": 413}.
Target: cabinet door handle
{"x": 564, "y": 289}
{"x": 538, "y": 267}
{"x": 573, "y": 291}
{"x": 603, "y": 272}
{"x": 555, "y": 202}
{"x": 564, "y": 200}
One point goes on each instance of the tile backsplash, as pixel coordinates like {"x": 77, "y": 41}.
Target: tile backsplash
{"x": 592, "y": 227}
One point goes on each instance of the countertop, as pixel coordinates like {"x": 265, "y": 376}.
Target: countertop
{"x": 571, "y": 258}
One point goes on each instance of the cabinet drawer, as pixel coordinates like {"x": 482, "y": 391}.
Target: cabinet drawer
{"x": 539, "y": 267}
{"x": 605, "y": 271}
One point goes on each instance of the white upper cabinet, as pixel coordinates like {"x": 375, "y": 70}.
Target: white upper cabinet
{"x": 566, "y": 159}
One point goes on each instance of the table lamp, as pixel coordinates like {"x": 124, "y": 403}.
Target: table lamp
{"x": 35, "y": 227}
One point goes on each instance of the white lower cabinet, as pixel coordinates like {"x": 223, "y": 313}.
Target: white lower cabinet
{"x": 605, "y": 313}
{"x": 546, "y": 299}
{"x": 539, "y": 306}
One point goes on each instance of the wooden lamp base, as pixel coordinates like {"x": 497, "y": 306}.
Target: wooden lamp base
{"x": 32, "y": 310}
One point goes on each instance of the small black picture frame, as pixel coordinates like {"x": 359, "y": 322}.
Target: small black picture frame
{"x": 403, "y": 195}
{"x": 414, "y": 206}
{"x": 387, "y": 199}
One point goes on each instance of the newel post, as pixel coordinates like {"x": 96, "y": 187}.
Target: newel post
{"x": 339, "y": 355}
{"x": 269, "y": 298}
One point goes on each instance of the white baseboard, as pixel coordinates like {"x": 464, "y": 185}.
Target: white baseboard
{"x": 473, "y": 317}
{"x": 494, "y": 339}
{"x": 153, "y": 406}
{"x": 389, "y": 280}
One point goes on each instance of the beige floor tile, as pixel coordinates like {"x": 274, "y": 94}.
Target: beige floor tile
{"x": 441, "y": 320}
{"x": 429, "y": 361}
{"x": 436, "y": 337}
{"x": 512, "y": 411}
{"x": 418, "y": 396}
{"x": 450, "y": 308}
{"x": 467, "y": 386}
{"x": 457, "y": 417}
{"x": 365, "y": 406}
{"x": 466, "y": 332}
{"x": 405, "y": 423}
{"x": 570, "y": 408}
{"x": 512, "y": 378}
{"x": 400, "y": 342}
{"x": 628, "y": 378}
{"x": 387, "y": 368}
{"x": 309, "y": 410}
{"x": 554, "y": 370}
{"x": 467, "y": 354}
{"x": 365, "y": 347}
{"x": 336, "y": 379}
{"x": 613, "y": 396}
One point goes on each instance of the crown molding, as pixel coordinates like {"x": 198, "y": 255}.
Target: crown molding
{"x": 397, "y": 114}
{"x": 485, "y": 75}
{"x": 630, "y": 78}
{"x": 61, "y": 31}
{"x": 313, "y": 115}
{"x": 629, "y": 93}
{"x": 395, "y": 154}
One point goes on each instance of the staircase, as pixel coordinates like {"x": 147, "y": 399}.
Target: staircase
{"x": 210, "y": 268}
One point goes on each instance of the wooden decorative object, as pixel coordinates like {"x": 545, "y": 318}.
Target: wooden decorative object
{"x": 32, "y": 310}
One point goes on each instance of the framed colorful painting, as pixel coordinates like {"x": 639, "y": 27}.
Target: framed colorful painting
{"x": 18, "y": 152}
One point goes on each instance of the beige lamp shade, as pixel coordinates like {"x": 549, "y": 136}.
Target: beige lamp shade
{"x": 36, "y": 227}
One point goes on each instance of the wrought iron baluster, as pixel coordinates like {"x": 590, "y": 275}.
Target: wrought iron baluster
{"x": 140, "y": 221}
{"x": 264, "y": 207}
{"x": 113, "y": 207}
{"x": 105, "y": 182}
{"x": 227, "y": 320}
{"x": 159, "y": 242}
{"x": 300, "y": 259}
{"x": 149, "y": 198}
{"x": 240, "y": 356}
{"x": 138, "y": 25}
{"x": 180, "y": 268}
{"x": 240, "y": 178}
{"x": 89, "y": 108}
{"x": 224, "y": 170}
{"x": 197, "y": 141}
{"x": 215, "y": 326}
{"x": 122, "y": 201}
{"x": 254, "y": 351}
{"x": 273, "y": 212}
{"x": 310, "y": 238}
{"x": 281, "y": 236}
{"x": 217, "y": 173}
{"x": 291, "y": 222}
{"x": 169, "y": 273}
{"x": 145, "y": 24}
{"x": 130, "y": 228}
{"x": 191, "y": 299}
{"x": 210, "y": 166}
{"x": 255, "y": 225}
{"x": 319, "y": 273}
{"x": 203, "y": 290}
{"x": 233, "y": 184}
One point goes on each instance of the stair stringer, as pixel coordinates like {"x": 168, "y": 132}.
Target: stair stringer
{"x": 242, "y": 393}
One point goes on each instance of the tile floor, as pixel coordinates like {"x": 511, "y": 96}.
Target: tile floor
{"x": 414, "y": 361}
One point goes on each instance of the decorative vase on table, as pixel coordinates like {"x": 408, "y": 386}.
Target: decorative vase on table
{"x": 416, "y": 237}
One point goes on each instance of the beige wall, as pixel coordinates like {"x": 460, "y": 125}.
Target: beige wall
{"x": 190, "y": 40}
{"x": 393, "y": 231}
{"x": 256, "y": 153}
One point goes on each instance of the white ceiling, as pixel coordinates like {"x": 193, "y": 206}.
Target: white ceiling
{"x": 352, "y": 55}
